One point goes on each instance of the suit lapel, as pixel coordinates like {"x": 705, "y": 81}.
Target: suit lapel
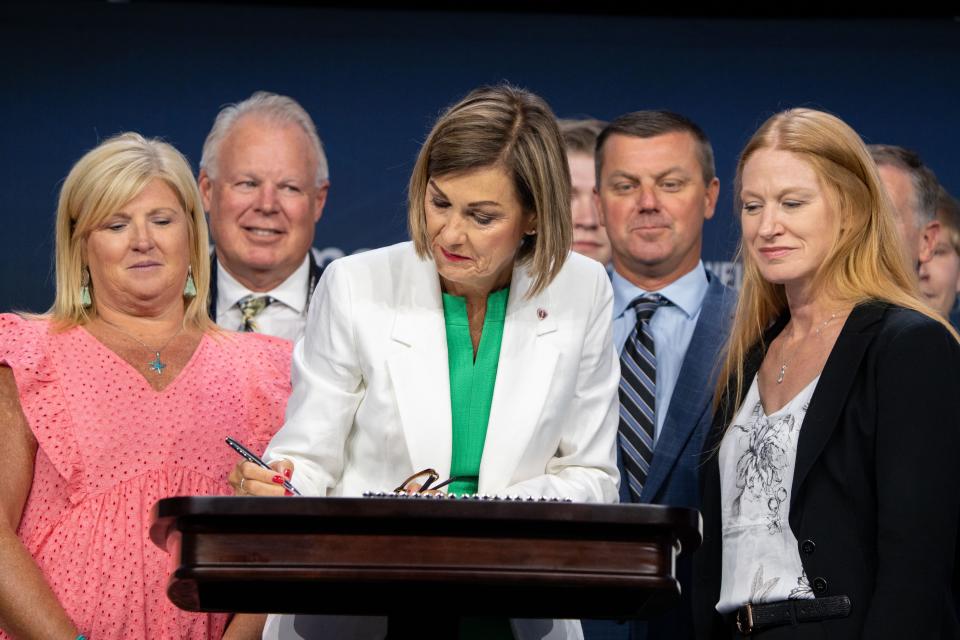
{"x": 212, "y": 300}
{"x": 420, "y": 372}
{"x": 524, "y": 374}
{"x": 832, "y": 390}
{"x": 694, "y": 389}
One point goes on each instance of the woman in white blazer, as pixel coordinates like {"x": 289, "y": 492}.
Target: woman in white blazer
{"x": 373, "y": 401}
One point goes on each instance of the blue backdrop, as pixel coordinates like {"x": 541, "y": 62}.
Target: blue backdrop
{"x": 375, "y": 80}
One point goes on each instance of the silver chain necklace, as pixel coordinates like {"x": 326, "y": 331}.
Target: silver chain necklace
{"x": 786, "y": 361}
{"x": 156, "y": 364}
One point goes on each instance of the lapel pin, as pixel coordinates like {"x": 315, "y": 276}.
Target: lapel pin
{"x": 541, "y": 313}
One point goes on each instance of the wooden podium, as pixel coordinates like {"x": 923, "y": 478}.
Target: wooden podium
{"x": 383, "y": 556}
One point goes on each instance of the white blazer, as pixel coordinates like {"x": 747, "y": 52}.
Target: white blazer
{"x": 371, "y": 398}
{"x": 371, "y": 384}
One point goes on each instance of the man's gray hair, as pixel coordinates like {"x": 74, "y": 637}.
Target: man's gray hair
{"x": 926, "y": 187}
{"x": 275, "y": 108}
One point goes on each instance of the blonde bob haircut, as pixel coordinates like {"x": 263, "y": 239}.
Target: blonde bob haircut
{"x": 98, "y": 185}
{"x": 503, "y": 126}
{"x": 865, "y": 261}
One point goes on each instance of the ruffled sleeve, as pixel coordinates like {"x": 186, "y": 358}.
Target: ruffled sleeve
{"x": 26, "y": 346}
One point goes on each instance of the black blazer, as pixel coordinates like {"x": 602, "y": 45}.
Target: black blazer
{"x": 876, "y": 491}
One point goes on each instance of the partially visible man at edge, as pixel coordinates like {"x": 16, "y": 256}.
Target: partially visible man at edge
{"x": 912, "y": 188}
{"x": 589, "y": 236}
{"x": 656, "y": 186}
{"x": 264, "y": 182}
{"x": 940, "y": 275}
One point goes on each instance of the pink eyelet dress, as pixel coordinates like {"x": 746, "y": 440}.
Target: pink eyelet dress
{"x": 110, "y": 447}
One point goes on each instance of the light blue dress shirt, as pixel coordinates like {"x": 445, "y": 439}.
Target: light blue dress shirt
{"x": 672, "y": 327}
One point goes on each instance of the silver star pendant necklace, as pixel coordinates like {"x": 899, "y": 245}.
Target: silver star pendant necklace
{"x": 786, "y": 361}
{"x": 156, "y": 364}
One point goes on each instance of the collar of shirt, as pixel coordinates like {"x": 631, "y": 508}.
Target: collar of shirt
{"x": 292, "y": 292}
{"x": 686, "y": 292}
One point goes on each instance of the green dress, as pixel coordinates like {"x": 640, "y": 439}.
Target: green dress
{"x": 471, "y": 394}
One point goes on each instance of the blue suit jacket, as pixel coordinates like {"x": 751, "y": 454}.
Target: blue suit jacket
{"x": 674, "y": 477}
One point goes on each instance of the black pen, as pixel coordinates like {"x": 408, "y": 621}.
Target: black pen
{"x": 252, "y": 457}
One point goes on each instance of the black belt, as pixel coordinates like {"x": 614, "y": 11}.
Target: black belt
{"x": 754, "y": 617}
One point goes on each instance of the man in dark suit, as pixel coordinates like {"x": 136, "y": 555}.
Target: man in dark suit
{"x": 264, "y": 181}
{"x": 656, "y": 186}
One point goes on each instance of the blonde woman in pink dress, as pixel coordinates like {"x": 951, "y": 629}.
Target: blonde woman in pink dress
{"x": 120, "y": 395}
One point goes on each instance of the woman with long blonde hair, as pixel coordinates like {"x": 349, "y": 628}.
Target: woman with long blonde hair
{"x": 830, "y": 502}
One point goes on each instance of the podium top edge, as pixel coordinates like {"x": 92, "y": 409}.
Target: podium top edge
{"x": 682, "y": 522}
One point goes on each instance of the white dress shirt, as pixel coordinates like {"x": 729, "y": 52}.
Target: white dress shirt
{"x": 672, "y": 327}
{"x": 284, "y": 318}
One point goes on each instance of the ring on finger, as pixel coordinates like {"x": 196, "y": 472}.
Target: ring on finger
{"x": 241, "y": 485}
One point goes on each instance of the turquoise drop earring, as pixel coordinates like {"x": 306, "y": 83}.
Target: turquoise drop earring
{"x": 85, "y": 288}
{"x": 190, "y": 288}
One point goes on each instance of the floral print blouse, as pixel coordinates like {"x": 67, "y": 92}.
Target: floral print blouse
{"x": 761, "y": 562}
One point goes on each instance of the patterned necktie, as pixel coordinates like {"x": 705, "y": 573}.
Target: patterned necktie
{"x": 250, "y": 307}
{"x": 638, "y": 380}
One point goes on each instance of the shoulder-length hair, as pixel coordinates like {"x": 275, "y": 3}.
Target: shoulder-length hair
{"x": 98, "y": 185}
{"x": 514, "y": 129}
{"x": 865, "y": 262}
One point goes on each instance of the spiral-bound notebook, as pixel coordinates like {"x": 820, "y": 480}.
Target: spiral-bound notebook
{"x": 471, "y": 497}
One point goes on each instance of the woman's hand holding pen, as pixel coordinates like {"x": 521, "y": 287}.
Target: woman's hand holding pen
{"x": 248, "y": 479}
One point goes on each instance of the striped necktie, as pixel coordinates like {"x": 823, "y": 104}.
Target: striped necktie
{"x": 638, "y": 380}
{"x": 250, "y": 307}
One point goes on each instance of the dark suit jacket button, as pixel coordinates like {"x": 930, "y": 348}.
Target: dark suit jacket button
{"x": 808, "y": 547}
{"x": 819, "y": 585}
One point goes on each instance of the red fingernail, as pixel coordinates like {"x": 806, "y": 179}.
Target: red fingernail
{"x": 278, "y": 479}
{"x": 288, "y": 472}
{"x": 287, "y": 492}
